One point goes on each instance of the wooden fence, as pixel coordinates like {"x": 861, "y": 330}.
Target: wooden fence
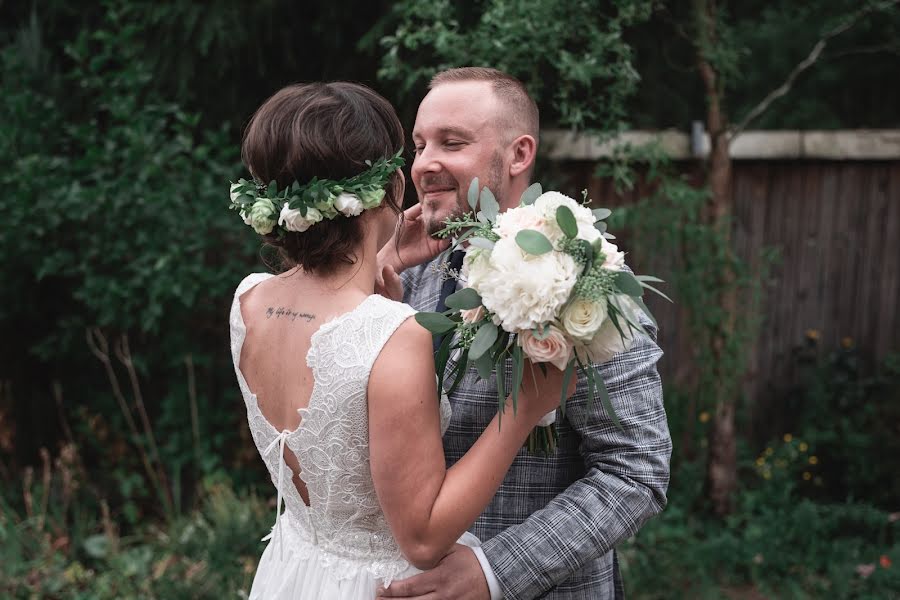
{"x": 835, "y": 226}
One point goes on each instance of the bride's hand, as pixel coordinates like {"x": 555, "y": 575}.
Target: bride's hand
{"x": 411, "y": 245}
{"x": 542, "y": 392}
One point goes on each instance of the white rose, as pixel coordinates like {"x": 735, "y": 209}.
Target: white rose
{"x": 234, "y": 194}
{"x": 608, "y": 341}
{"x": 348, "y": 204}
{"x": 555, "y": 348}
{"x": 548, "y": 202}
{"x": 514, "y": 220}
{"x": 522, "y": 290}
{"x": 246, "y": 217}
{"x": 614, "y": 260}
{"x": 582, "y": 318}
{"x": 261, "y": 216}
{"x": 292, "y": 219}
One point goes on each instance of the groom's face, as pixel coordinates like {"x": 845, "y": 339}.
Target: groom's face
{"x": 456, "y": 139}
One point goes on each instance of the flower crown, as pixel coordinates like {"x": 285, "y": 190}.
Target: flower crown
{"x": 304, "y": 205}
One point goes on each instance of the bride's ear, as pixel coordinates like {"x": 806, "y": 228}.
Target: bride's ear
{"x": 399, "y": 188}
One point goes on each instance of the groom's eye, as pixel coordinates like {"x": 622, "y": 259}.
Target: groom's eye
{"x": 453, "y": 144}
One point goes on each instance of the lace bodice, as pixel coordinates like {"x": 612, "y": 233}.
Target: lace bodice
{"x": 332, "y": 441}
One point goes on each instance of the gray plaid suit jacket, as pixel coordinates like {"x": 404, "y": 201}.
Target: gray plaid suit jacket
{"x": 551, "y": 529}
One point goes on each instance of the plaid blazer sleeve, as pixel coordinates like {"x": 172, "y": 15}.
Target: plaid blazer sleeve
{"x": 627, "y": 475}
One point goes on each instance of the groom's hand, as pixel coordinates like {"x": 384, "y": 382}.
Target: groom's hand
{"x": 457, "y": 576}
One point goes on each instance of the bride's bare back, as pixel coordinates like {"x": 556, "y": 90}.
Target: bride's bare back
{"x": 281, "y": 315}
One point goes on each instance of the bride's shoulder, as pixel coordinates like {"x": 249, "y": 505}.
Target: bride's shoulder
{"x": 249, "y": 281}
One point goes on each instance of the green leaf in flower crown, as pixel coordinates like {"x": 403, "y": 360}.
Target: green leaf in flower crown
{"x": 533, "y": 242}
{"x": 533, "y": 192}
{"x": 601, "y": 213}
{"x": 435, "y": 322}
{"x": 273, "y": 189}
{"x": 627, "y": 284}
{"x": 484, "y": 339}
{"x": 566, "y": 221}
{"x": 489, "y": 205}
{"x": 464, "y": 299}
{"x": 473, "y": 193}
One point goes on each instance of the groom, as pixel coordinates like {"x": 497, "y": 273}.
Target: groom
{"x": 552, "y": 528}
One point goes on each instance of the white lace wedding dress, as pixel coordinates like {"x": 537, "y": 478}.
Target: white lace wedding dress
{"x": 339, "y": 547}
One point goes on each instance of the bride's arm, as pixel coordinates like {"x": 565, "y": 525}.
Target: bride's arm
{"x": 427, "y": 505}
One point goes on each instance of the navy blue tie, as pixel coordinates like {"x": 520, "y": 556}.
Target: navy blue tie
{"x": 454, "y": 262}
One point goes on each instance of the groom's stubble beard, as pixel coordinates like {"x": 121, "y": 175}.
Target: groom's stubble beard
{"x": 490, "y": 181}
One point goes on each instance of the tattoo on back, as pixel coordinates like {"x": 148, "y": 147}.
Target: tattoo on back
{"x": 287, "y": 313}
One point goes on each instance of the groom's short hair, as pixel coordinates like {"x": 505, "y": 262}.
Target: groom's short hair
{"x": 521, "y": 110}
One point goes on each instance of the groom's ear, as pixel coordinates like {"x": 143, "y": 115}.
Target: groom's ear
{"x": 524, "y": 150}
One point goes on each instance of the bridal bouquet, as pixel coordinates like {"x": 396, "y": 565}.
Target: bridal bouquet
{"x": 542, "y": 281}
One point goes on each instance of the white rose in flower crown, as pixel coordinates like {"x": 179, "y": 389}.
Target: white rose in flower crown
{"x": 245, "y": 216}
{"x": 555, "y": 348}
{"x": 521, "y": 289}
{"x": 235, "y": 195}
{"x": 582, "y": 318}
{"x": 260, "y": 216}
{"x": 348, "y": 205}
{"x": 292, "y": 219}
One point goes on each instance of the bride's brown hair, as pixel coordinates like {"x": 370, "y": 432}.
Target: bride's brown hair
{"x": 329, "y": 131}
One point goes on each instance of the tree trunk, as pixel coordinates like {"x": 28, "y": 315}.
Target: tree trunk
{"x": 721, "y": 471}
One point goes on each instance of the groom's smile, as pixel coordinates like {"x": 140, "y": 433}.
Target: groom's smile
{"x": 456, "y": 140}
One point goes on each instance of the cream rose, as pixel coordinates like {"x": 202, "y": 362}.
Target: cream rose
{"x": 608, "y": 341}
{"x": 555, "y": 348}
{"x": 472, "y": 315}
{"x": 292, "y": 219}
{"x": 582, "y": 318}
{"x": 348, "y": 205}
{"x": 260, "y": 216}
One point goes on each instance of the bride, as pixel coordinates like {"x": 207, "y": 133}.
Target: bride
{"x": 339, "y": 383}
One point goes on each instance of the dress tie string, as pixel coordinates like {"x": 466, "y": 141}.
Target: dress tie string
{"x": 279, "y": 441}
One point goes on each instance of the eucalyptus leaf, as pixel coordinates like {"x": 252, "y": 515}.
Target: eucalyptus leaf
{"x": 533, "y": 192}
{"x": 273, "y": 189}
{"x": 464, "y": 299}
{"x": 627, "y": 284}
{"x": 600, "y": 226}
{"x": 541, "y": 334}
{"x": 601, "y": 213}
{"x": 480, "y": 242}
{"x": 473, "y": 194}
{"x": 435, "y": 322}
{"x": 653, "y": 289}
{"x": 489, "y": 205}
{"x": 484, "y": 339}
{"x": 533, "y": 242}
{"x": 484, "y": 366}
{"x": 566, "y": 221}
{"x": 640, "y": 302}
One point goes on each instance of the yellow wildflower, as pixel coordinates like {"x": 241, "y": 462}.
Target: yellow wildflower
{"x": 704, "y": 417}
{"x": 813, "y": 334}
{"x": 813, "y": 460}
{"x": 807, "y": 475}
{"x": 803, "y": 447}
{"x": 769, "y": 451}
{"x": 847, "y": 343}
{"x": 760, "y": 461}
{"x": 787, "y": 438}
